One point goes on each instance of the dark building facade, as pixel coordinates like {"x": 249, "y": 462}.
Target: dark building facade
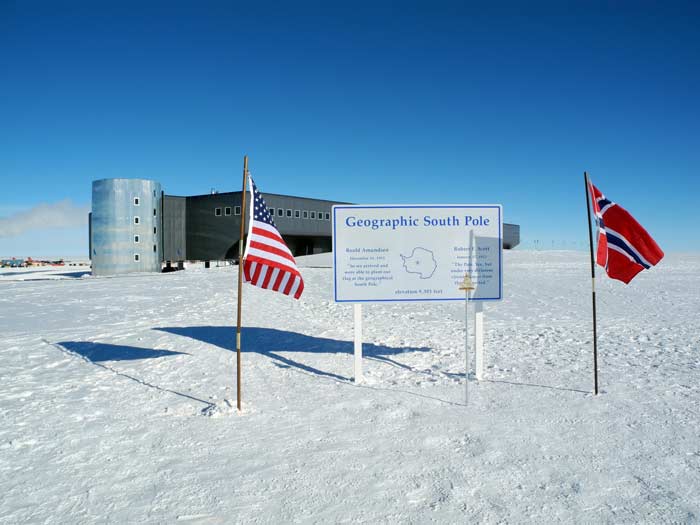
{"x": 207, "y": 227}
{"x": 511, "y": 235}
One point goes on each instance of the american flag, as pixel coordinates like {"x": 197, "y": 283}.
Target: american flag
{"x": 267, "y": 262}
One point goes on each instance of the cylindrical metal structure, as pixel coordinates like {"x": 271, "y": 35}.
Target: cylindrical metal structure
{"x": 126, "y": 223}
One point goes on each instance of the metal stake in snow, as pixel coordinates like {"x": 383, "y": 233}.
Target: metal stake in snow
{"x": 467, "y": 286}
{"x": 357, "y": 309}
{"x": 478, "y": 318}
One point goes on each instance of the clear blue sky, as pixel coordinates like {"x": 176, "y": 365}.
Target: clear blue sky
{"x": 430, "y": 102}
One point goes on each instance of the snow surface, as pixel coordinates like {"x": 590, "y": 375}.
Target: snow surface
{"x": 117, "y": 395}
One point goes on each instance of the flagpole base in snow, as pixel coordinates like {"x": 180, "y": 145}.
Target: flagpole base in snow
{"x": 357, "y": 309}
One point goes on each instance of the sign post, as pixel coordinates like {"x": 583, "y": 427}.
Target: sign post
{"x": 467, "y": 286}
{"x": 417, "y": 253}
{"x": 479, "y": 339}
{"x": 357, "y": 308}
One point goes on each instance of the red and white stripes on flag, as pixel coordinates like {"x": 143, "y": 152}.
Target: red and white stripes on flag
{"x": 625, "y": 248}
{"x": 267, "y": 262}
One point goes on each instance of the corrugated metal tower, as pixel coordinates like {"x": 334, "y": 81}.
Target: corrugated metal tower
{"x": 125, "y": 226}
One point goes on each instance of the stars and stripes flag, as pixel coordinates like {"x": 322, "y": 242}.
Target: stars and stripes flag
{"x": 267, "y": 262}
{"x": 624, "y": 246}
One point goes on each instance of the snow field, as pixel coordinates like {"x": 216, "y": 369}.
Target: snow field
{"x": 117, "y": 402}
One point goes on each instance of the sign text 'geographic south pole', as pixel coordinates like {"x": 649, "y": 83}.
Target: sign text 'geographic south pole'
{"x": 417, "y": 252}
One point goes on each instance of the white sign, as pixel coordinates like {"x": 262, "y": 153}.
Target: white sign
{"x": 416, "y": 253}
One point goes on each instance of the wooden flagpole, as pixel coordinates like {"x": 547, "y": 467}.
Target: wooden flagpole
{"x": 590, "y": 243}
{"x": 240, "y": 284}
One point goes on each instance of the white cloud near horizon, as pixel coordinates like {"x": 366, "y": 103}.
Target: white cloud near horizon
{"x": 62, "y": 214}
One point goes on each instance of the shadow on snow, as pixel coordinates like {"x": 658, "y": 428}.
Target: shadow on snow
{"x": 97, "y": 352}
{"x": 73, "y": 275}
{"x": 269, "y": 342}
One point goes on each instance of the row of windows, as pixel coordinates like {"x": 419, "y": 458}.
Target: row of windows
{"x": 227, "y": 211}
{"x": 137, "y": 238}
{"x": 301, "y": 214}
{"x": 297, "y": 214}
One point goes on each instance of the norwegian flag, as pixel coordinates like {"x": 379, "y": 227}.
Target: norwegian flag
{"x": 624, "y": 246}
{"x": 267, "y": 262}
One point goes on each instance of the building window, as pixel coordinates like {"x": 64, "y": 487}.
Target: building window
{"x": 320, "y": 216}
{"x": 154, "y": 212}
{"x": 237, "y": 210}
{"x": 154, "y": 248}
{"x": 136, "y": 257}
{"x": 297, "y": 214}
{"x": 154, "y": 230}
{"x": 227, "y": 210}
{"x": 313, "y": 214}
{"x": 217, "y": 212}
{"x": 136, "y": 220}
{"x": 289, "y": 213}
{"x": 272, "y": 212}
{"x": 154, "y": 193}
{"x": 136, "y": 201}
{"x": 136, "y": 239}
{"x": 328, "y": 216}
{"x": 305, "y": 214}
{"x": 280, "y": 212}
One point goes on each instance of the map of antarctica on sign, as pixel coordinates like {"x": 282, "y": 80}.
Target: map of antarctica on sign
{"x": 421, "y": 261}
{"x": 416, "y": 253}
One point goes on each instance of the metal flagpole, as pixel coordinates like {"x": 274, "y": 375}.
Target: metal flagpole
{"x": 240, "y": 284}
{"x": 590, "y": 243}
{"x": 466, "y": 348}
{"x": 467, "y": 286}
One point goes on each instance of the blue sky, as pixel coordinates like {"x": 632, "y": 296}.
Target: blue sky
{"x": 430, "y": 102}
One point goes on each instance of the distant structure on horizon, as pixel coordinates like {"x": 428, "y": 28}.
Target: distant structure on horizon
{"x": 135, "y": 227}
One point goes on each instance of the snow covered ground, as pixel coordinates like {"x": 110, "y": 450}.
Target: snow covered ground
{"x": 116, "y": 394}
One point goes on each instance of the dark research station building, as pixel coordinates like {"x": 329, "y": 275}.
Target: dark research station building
{"x": 135, "y": 227}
